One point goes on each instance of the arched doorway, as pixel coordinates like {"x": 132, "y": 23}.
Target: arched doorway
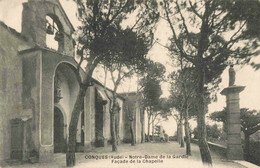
{"x": 66, "y": 89}
{"x": 59, "y": 140}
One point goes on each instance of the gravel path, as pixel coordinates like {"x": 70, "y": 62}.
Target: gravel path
{"x": 147, "y": 155}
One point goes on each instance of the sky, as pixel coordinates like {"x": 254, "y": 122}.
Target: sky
{"x": 11, "y": 14}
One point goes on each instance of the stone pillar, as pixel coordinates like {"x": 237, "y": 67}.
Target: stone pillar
{"x": 234, "y": 146}
{"x": 88, "y": 110}
{"x": 46, "y": 154}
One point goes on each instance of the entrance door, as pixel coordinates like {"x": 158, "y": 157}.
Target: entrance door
{"x": 59, "y": 140}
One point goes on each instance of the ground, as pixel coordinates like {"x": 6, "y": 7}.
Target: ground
{"x": 125, "y": 151}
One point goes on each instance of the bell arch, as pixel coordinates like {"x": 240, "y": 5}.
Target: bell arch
{"x": 54, "y": 33}
{"x": 35, "y": 24}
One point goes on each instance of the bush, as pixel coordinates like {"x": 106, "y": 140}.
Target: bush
{"x": 213, "y": 131}
{"x": 254, "y": 154}
{"x": 173, "y": 138}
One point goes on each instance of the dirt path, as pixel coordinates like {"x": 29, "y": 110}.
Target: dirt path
{"x": 148, "y": 155}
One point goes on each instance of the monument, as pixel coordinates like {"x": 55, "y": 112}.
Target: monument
{"x": 234, "y": 145}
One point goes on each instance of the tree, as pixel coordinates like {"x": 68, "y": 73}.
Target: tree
{"x": 175, "y": 114}
{"x": 249, "y": 11}
{"x": 159, "y": 114}
{"x": 199, "y": 35}
{"x": 183, "y": 98}
{"x": 129, "y": 56}
{"x": 220, "y": 116}
{"x": 246, "y": 10}
{"x": 151, "y": 90}
{"x": 100, "y": 20}
{"x": 250, "y": 123}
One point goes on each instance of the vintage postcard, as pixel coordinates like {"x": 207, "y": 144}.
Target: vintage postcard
{"x": 129, "y": 83}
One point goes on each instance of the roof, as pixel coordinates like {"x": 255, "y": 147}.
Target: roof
{"x": 13, "y": 31}
{"x": 99, "y": 83}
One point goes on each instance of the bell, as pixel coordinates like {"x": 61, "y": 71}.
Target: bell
{"x": 49, "y": 29}
{"x": 58, "y": 36}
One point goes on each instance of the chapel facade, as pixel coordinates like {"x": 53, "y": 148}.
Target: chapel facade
{"x": 39, "y": 87}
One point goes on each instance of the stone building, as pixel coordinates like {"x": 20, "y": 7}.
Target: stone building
{"x": 134, "y": 117}
{"x": 38, "y": 88}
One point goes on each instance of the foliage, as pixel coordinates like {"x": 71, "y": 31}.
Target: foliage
{"x": 130, "y": 50}
{"x": 150, "y": 83}
{"x": 250, "y": 120}
{"x": 154, "y": 70}
{"x": 200, "y": 35}
{"x": 213, "y": 131}
{"x": 240, "y": 10}
{"x": 151, "y": 91}
{"x": 254, "y": 154}
{"x": 103, "y": 35}
{"x": 250, "y": 123}
{"x": 183, "y": 87}
{"x": 220, "y": 116}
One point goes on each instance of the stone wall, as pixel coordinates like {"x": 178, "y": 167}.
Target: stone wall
{"x": 10, "y": 84}
{"x": 220, "y": 150}
{"x": 90, "y": 110}
{"x": 89, "y": 116}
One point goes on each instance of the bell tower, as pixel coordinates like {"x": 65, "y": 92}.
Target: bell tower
{"x": 45, "y": 24}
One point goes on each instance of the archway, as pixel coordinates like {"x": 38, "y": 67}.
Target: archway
{"x": 66, "y": 88}
{"x": 59, "y": 140}
{"x": 54, "y": 33}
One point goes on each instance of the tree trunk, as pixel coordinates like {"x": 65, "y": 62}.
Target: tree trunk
{"x": 178, "y": 133}
{"x": 201, "y": 125}
{"x": 181, "y": 135}
{"x": 142, "y": 132}
{"x": 113, "y": 130}
{"x": 149, "y": 125}
{"x": 187, "y": 133}
{"x": 132, "y": 134}
{"x": 153, "y": 130}
{"x": 117, "y": 128}
{"x": 70, "y": 155}
{"x": 247, "y": 142}
{"x": 181, "y": 131}
{"x": 115, "y": 109}
{"x": 148, "y": 133}
{"x": 142, "y": 127}
{"x": 203, "y": 145}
